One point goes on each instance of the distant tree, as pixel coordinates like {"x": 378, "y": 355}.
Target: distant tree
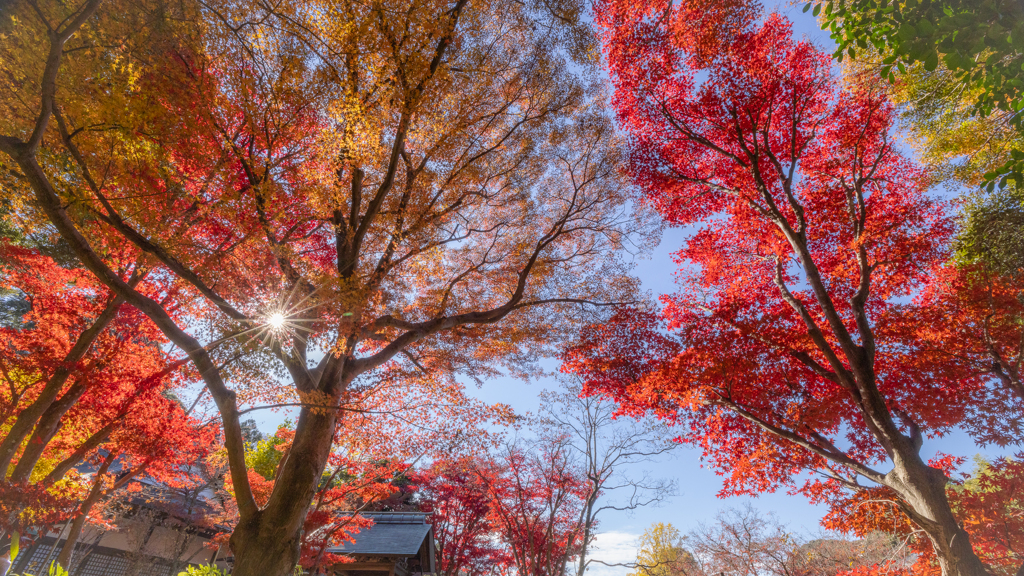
{"x": 609, "y": 452}
{"x": 457, "y": 495}
{"x": 662, "y": 553}
{"x": 746, "y": 542}
{"x": 537, "y": 493}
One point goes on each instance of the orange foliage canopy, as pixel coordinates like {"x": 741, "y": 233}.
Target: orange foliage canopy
{"x": 428, "y": 186}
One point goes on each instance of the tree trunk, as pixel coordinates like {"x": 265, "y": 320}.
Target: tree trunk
{"x": 267, "y": 543}
{"x": 923, "y": 488}
{"x": 64, "y": 558}
{"x": 46, "y": 428}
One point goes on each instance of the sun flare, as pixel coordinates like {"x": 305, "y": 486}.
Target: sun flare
{"x": 276, "y": 320}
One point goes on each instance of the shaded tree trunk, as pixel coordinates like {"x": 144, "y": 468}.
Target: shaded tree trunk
{"x": 267, "y": 542}
{"x": 95, "y": 493}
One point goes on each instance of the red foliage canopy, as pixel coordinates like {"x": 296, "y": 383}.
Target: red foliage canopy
{"x": 68, "y": 405}
{"x": 457, "y": 496}
{"x": 788, "y": 346}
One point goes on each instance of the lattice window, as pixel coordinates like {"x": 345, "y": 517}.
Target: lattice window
{"x": 102, "y": 564}
{"x": 33, "y": 564}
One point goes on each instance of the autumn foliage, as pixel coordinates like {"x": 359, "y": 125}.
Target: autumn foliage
{"x": 349, "y": 210}
{"x": 788, "y": 348}
{"x": 515, "y": 511}
{"x": 426, "y": 188}
{"x": 85, "y": 382}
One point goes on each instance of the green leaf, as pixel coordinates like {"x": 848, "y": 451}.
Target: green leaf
{"x": 907, "y": 32}
{"x": 808, "y": 6}
{"x": 15, "y": 544}
{"x": 931, "y": 61}
{"x": 817, "y": 10}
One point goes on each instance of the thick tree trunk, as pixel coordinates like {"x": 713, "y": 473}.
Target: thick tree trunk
{"x": 267, "y": 543}
{"x": 923, "y": 489}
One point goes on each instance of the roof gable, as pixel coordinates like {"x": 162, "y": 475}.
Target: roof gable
{"x": 392, "y": 534}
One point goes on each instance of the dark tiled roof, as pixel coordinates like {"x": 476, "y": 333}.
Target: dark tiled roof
{"x": 392, "y": 534}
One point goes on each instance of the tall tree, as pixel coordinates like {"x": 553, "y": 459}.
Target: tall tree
{"x": 609, "y": 452}
{"x": 812, "y": 229}
{"x": 344, "y": 188}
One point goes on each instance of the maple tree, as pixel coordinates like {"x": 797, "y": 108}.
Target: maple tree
{"x": 536, "y": 501}
{"x": 456, "y": 494}
{"x": 811, "y": 229}
{"x": 991, "y": 507}
{"x": 158, "y": 442}
{"x": 424, "y": 187}
{"x": 514, "y": 510}
{"x": 384, "y": 430}
{"x": 82, "y": 373}
{"x": 987, "y": 503}
{"x": 66, "y": 344}
{"x": 985, "y": 341}
{"x": 955, "y": 143}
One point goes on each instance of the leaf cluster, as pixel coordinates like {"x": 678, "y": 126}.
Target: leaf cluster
{"x": 980, "y": 42}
